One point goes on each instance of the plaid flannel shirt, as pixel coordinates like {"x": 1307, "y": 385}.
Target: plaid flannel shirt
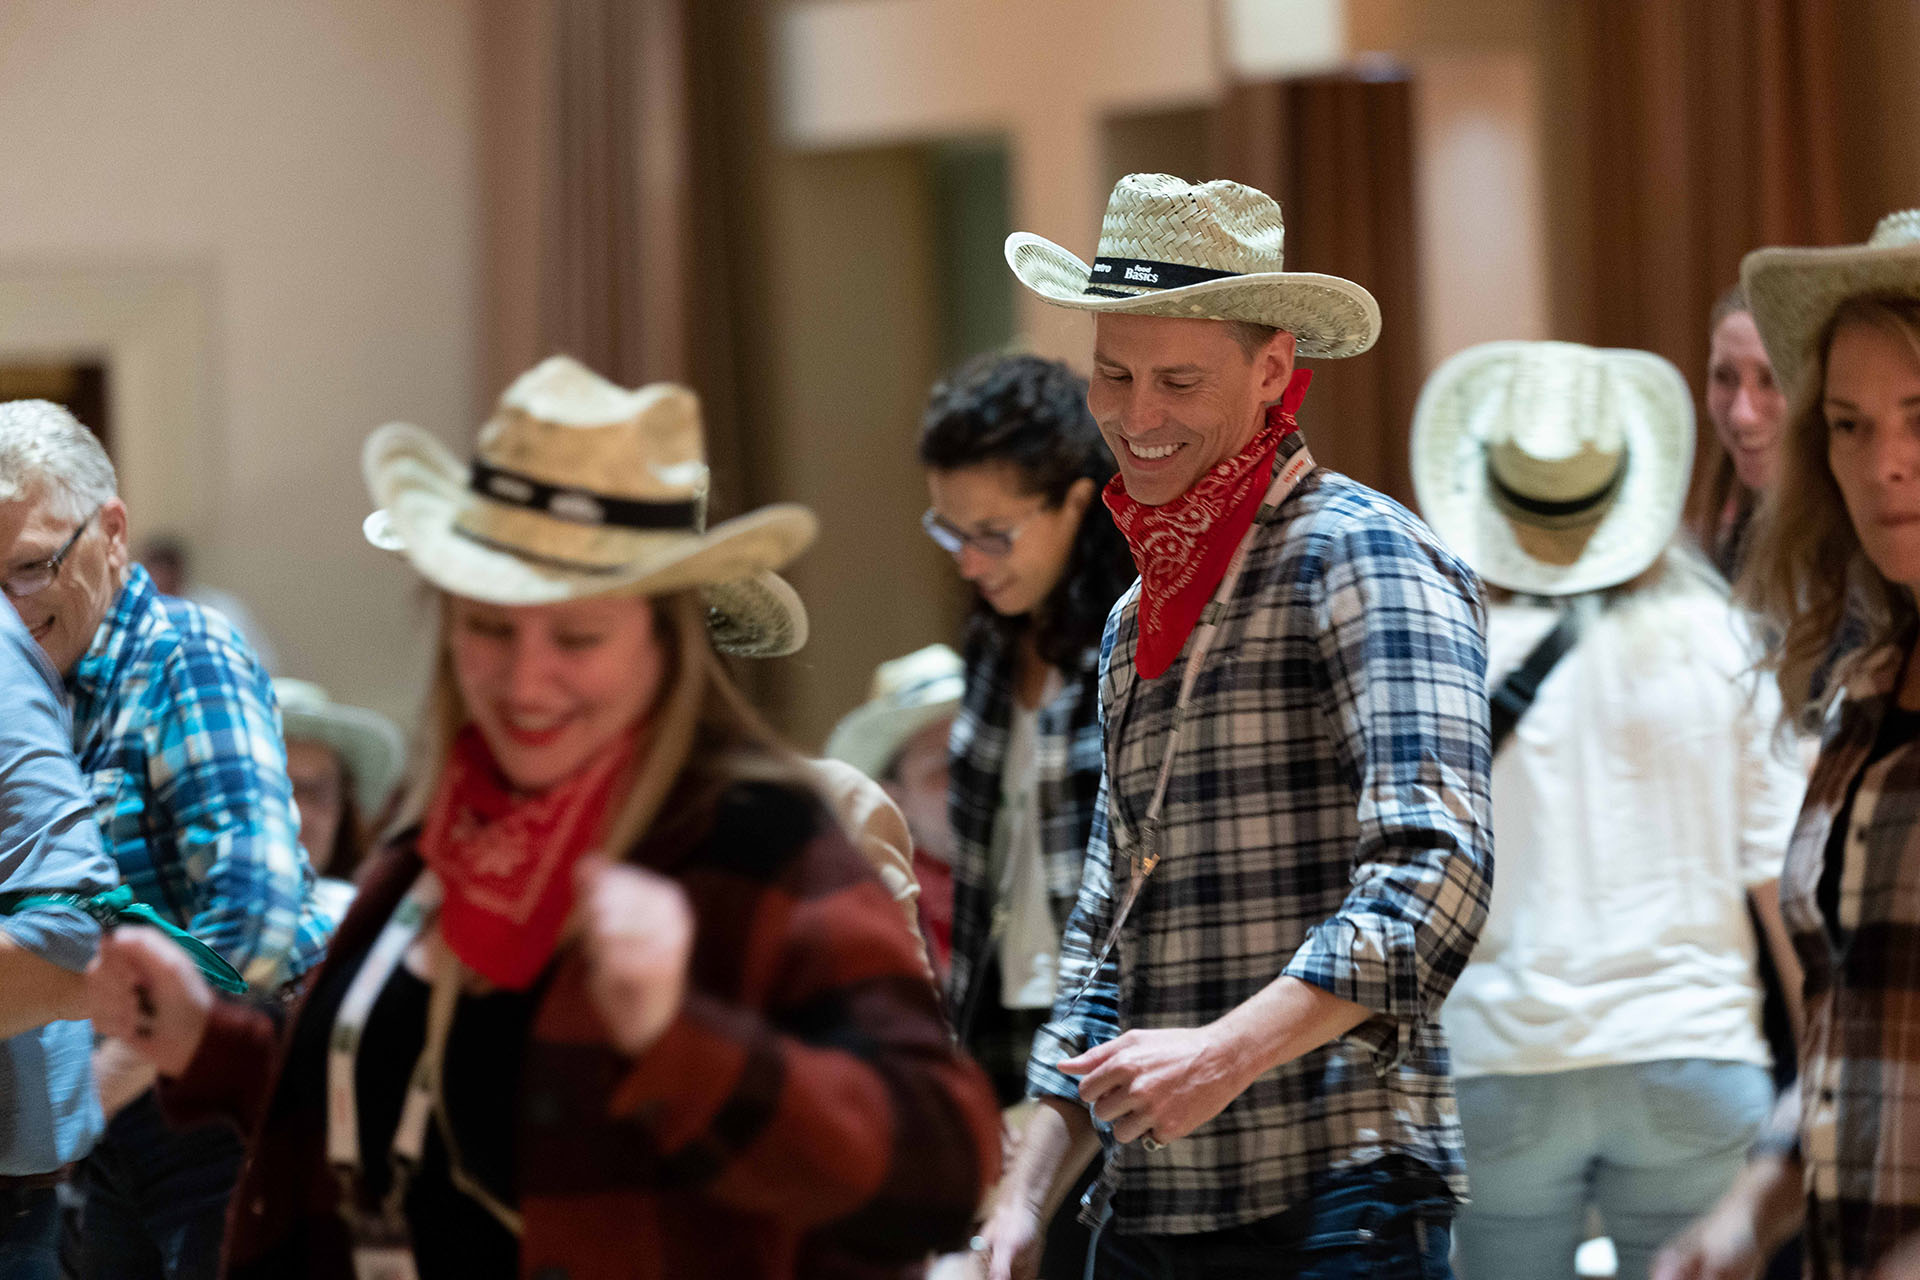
{"x": 178, "y": 733}
{"x": 1327, "y": 818}
{"x": 1854, "y": 1116}
{"x": 1068, "y": 760}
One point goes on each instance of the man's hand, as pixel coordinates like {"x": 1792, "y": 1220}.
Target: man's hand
{"x": 144, "y": 992}
{"x": 1057, "y": 1142}
{"x": 1164, "y": 1083}
{"x": 1011, "y": 1241}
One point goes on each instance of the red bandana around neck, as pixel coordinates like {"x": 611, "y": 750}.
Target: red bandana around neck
{"x": 1182, "y": 548}
{"x": 507, "y": 859}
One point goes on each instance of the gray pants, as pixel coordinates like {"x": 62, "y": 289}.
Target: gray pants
{"x": 1652, "y": 1145}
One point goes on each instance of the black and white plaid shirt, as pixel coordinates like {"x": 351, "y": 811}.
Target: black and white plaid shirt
{"x": 1066, "y": 784}
{"x": 1327, "y": 818}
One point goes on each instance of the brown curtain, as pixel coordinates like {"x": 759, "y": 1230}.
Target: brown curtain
{"x": 1337, "y": 152}
{"x": 1680, "y": 137}
{"x": 623, "y": 148}
{"x": 604, "y": 168}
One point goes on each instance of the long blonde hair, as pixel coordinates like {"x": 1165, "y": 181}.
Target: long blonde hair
{"x": 1806, "y": 572}
{"x": 702, "y": 731}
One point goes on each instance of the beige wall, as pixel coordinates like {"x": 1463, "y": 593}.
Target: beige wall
{"x": 298, "y": 177}
{"x": 850, "y": 341}
{"x": 853, "y": 351}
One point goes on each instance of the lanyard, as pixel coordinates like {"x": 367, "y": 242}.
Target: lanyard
{"x": 425, "y": 1098}
{"x": 117, "y": 907}
{"x": 1143, "y": 850}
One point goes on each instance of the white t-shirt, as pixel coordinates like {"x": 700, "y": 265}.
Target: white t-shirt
{"x": 1638, "y": 800}
{"x": 1028, "y": 937}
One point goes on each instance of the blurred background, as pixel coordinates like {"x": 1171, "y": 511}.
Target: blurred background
{"x": 237, "y": 236}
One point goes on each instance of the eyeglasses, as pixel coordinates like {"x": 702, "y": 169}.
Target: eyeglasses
{"x": 997, "y": 545}
{"x": 32, "y": 579}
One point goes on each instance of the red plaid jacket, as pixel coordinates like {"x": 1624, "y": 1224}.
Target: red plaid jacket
{"x": 805, "y": 1115}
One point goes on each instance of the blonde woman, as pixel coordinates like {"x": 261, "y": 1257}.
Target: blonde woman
{"x": 620, "y": 999}
{"x": 1839, "y": 541}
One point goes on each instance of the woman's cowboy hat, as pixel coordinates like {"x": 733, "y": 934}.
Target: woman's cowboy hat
{"x": 908, "y": 694}
{"x": 582, "y": 488}
{"x": 369, "y": 744}
{"x": 1795, "y": 292}
{"x": 1553, "y": 468}
{"x": 1209, "y": 252}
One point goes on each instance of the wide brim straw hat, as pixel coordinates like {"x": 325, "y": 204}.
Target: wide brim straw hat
{"x": 908, "y": 694}
{"x": 1212, "y": 251}
{"x": 1794, "y": 292}
{"x": 582, "y": 488}
{"x": 370, "y": 745}
{"x": 1554, "y": 468}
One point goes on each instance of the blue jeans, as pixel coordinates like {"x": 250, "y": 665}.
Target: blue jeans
{"x": 1384, "y": 1221}
{"x": 154, "y": 1199}
{"x": 1652, "y": 1145}
{"x": 30, "y": 1234}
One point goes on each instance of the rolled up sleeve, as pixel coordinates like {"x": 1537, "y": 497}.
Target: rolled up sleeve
{"x": 217, "y": 765}
{"x": 1402, "y": 642}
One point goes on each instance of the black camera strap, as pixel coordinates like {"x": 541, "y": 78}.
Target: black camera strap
{"x": 1522, "y": 685}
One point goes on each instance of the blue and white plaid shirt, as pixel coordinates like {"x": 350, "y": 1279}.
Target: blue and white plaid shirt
{"x": 178, "y": 732}
{"x": 1327, "y": 818}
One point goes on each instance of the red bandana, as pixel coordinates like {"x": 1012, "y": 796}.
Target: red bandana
{"x": 1182, "y": 547}
{"x": 507, "y": 859}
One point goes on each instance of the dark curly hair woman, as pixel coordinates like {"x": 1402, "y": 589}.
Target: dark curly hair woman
{"x": 1015, "y": 465}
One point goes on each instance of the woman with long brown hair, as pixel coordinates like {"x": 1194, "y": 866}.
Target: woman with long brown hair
{"x": 1748, "y": 413}
{"x": 618, "y": 999}
{"x": 1837, "y": 544}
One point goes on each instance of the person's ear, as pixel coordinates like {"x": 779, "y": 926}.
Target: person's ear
{"x": 113, "y": 525}
{"x": 1273, "y": 367}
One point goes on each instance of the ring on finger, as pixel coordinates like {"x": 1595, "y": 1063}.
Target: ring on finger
{"x": 1150, "y": 1143}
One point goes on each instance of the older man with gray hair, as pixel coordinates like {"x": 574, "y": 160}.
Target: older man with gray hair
{"x": 177, "y": 732}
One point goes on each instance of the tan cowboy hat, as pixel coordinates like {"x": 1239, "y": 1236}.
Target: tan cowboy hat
{"x": 1795, "y": 292}
{"x": 582, "y": 488}
{"x": 907, "y": 695}
{"x": 1208, "y": 252}
{"x": 1553, "y": 468}
{"x": 369, "y": 744}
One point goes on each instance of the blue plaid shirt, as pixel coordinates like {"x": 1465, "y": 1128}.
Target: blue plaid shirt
{"x": 1327, "y": 818}
{"x": 178, "y": 733}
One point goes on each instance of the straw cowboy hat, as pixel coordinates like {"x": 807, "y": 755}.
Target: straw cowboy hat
{"x": 1207, "y": 252}
{"x": 369, "y": 744}
{"x": 1795, "y": 292}
{"x": 1553, "y": 468}
{"x": 908, "y": 694}
{"x": 582, "y": 488}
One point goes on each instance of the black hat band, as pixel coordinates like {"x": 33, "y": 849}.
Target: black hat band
{"x": 581, "y": 506}
{"x": 1144, "y": 273}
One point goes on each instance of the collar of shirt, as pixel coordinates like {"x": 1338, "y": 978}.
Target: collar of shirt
{"x": 101, "y": 666}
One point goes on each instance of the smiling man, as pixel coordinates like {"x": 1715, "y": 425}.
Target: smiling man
{"x": 177, "y": 734}
{"x": 1292, "y": 856}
